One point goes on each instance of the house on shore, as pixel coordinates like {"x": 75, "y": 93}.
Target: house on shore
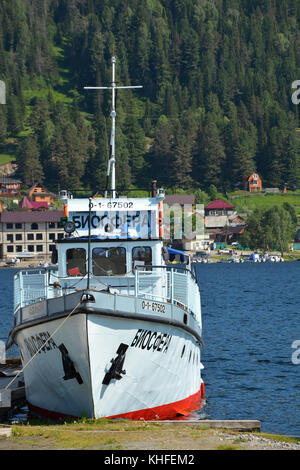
{"x": 39, "y": 193}
{"x": 33, "y": 205}
{"x": 34, "y": 232}
{"x": 253, "y": 183}
{"x": 180, "y": 199}
{"x": 186, "y": 204}
{"x": 10, "y": 187}
{"x": 222, "y": 223}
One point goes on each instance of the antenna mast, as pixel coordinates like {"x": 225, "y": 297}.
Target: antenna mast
{"x": 111, "y": 168}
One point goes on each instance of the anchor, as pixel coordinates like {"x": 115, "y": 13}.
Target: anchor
{"x": 68, "y": 365}
{"x": 116, "y": 369}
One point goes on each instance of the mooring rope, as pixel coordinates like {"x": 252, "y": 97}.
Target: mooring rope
{"x": 42, "y": 347}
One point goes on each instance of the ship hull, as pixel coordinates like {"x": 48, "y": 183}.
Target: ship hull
{"x": 99, "y": 366}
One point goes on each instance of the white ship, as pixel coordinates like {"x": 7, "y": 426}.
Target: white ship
{"x": 115, "y": 331}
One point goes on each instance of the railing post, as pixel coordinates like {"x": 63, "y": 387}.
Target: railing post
{"x": 136, "y": 282}
{"x": 21, "y": 288}
{"x": 172, "y": 286}
{"x": 45, "y": 285}
{"x": 188, "y": 278}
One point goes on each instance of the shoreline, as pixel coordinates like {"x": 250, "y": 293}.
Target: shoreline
{"x": 124, "y": 435}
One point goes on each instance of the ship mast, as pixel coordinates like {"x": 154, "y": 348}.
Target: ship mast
{"x": 111, "y": 168}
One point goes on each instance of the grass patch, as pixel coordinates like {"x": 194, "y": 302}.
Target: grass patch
{"x": 246, "y": 203}
{"x": 228, "y": 447}
{"x": 8, "y": 151}
{"x": 6, "y": 158}
{"x": 101, "y": 434}
{"x": 106, "y": 434}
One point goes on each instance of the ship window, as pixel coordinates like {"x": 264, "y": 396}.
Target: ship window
{"x": 109, "y": 261}
{"x": 141, "y": 256}
{"x": 76, "y": 262}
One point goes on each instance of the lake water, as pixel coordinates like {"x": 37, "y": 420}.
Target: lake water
{"x": 251, "y": 317}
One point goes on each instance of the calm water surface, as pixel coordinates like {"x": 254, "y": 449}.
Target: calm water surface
{"x": 251, "y": 317}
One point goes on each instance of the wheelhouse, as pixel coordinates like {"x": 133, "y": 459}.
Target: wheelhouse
{"x": 107, "y": 258}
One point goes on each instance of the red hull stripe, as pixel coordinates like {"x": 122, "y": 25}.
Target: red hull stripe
{"x": 183, "y": 407}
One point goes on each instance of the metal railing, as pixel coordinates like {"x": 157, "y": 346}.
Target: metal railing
{"x": 160, "y": 283}
{"x": 169, "y": 284}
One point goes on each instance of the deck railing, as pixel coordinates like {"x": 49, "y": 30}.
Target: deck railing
{"x": 160, "y": 283}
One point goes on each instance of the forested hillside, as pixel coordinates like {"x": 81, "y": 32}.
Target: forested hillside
{"x": 216, "y": 102}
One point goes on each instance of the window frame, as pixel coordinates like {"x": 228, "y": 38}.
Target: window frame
{"x": 68, "y": 269}
{"x": 122, "y": 272}
{"x": 141, "y": 247}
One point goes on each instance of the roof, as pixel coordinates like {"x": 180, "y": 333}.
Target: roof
{"x": 33, "y": 205}
{"x": 44, "y": 191}
{"x": 238, "y": 229}
{"x": 219, "y": 204}
{"x": 173, "y": 253}
{"x": 36, "y": 216}
{"x": 181, "y": 199}
{"x": 6, "y": 180}
{"x": 254, "y": 173}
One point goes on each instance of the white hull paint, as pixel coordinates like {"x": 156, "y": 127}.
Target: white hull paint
{"x": 116, "y": 331}
{"x": 161, "y": 367}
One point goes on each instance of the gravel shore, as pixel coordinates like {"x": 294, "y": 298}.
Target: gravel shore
{"x": 135, "y": 436}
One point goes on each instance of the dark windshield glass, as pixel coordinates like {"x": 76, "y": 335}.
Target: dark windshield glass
{"x": 141, "y": 256}
{"x": 76, "y": 262}
{"x": 109, "y": 261}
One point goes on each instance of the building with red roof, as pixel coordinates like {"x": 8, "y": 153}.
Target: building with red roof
{"x": 33, "y": 205}
{"x": 219, "y": 207}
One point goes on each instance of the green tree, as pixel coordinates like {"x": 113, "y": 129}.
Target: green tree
{"x": 280, "y": 228}
{"x": 273, "y": 229}
{"x": 30, "y": 170}
{"x": 210, "y": 154}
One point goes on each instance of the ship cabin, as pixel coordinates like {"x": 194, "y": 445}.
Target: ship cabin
{"x": 108, "y": 257}
{"x": 119, "y": 248}
{"x": 118, "y": 252}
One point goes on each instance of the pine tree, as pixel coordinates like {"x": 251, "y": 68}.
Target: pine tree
{"x": 29, "y": 170}
{"x": 210, "y": 155}
{"x": 96, "y": 167}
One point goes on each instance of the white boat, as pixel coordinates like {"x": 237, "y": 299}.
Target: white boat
{"x": 11, "y": 261}
{"x": 116, "y": 330}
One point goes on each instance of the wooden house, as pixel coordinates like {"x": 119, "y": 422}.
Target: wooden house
{"x": 38, "y": 193}
{"x": 9, "y": 187}
{"x": 253, "y": 183}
